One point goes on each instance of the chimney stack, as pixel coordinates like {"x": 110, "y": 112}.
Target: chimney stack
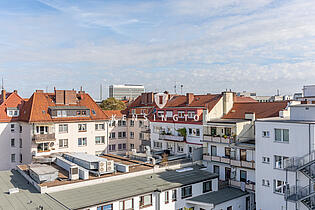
{"x": 3, "y": 94}
{"x": 189, "y": 98}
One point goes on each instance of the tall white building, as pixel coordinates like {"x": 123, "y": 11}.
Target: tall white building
{"x": 285, "y": 160}
{"x": 125, "y": 92}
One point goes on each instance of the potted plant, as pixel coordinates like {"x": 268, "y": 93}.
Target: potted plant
{"x": 182, "y": 132}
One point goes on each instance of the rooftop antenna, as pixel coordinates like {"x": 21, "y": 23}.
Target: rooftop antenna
{"x": 175, "y": 88}
{"x": 2, "y": 85}
{"x": 101, "y": 95}
{"x": 181, "y": 89}
{"x": 278, "y": 92}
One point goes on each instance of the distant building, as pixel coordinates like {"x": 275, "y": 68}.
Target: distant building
{"x": 125, "y": 92}
{"x": 262, "y": 99}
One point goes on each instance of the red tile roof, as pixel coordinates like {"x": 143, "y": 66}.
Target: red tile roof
{"x": 110, "y": 113}
{"x": 12, "y": 100}
{"x": 36, "y": 108}
{"x": 207, "y": 101}
{"x": 243, "y": 99}
{"x": 261, "y": 110}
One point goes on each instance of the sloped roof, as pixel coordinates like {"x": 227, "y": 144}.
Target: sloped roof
{"x": 209, "y": 101}
{"x": 110, "y": 113}
{"x": 36, "y": 108}
{"x": 261, "y": 110}
{"x": 243, "y": 99}
{"x": 12, "y": 100}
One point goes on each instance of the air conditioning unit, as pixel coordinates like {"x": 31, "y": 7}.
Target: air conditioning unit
{"x": 110, "y": 166}
{"x": 102, "y": 167}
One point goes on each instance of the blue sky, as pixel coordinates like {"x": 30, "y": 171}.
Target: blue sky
{"x": 206, "y": 45}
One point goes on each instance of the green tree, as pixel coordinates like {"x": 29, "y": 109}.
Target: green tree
{"x": 112, "y": 104}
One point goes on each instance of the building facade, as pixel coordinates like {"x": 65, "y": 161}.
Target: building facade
{"x": 125, "y": 92}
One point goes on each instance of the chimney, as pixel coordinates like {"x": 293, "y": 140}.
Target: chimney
{"x": 3, "y": 95}
{"x": 150, "y": 97}
{"x": 228, "y": 101}
{"x": 189, "y": 98}
{"x": 15, "y": 91}
{"x": 60, "y": 96}
{"x": 70, "y": 97}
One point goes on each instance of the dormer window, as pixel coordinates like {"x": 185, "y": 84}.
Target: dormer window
{"x": 13, "y": 112}
{"x": 61, "y": 113}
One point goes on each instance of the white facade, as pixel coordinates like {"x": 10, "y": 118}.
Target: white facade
{"x": 277, "y": 142}
{"x": 164, "y": 136}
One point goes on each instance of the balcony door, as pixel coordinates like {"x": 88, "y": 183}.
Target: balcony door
{"x": 243, "y": 154}
{"x": 213, "y": 151}
{"x": 243, "y": 176}
{"x": 227, "y": 173}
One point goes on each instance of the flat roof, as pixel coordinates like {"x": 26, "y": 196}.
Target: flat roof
{"x": 284, "y": 120}
{"x": 220, "y": 196}
{"x": 42, "y": 169}
{"x": 27, "y": 197}
{"x": 230, "y": 121}
{"x": 108, "y": 192}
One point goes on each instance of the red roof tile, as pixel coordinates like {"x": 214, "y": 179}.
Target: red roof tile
{"x": 261, "y": 110}
{"x": 13, "y": 100}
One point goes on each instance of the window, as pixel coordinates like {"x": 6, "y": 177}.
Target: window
{"x": 167, "y": 199}
{"x": 82, "y": 127}
{"x": 180, "y": 149}
{"x": 132, "y": 146}
{"x": 105, "y": 207}
{"x": 181, "y": 114}
{"x": 140, "y": 123}
{"x": 279, "y": 161}
{"x": 266, "y": 160}
{"x": 112, "y": 123}
{"x": 12, "y": 127}
{"x": 126, "y": 204}
{"x": 12, "y": 158}
{"x": 132, "y": 135}
{"x": 82, "y": 141}
{"x": 186, "y": 192}
{"x": 229, "y": 208}
{"x": 112, "y": 147}
{"x": 145, "y": 201}
{"x": 124, "y": 146}
{"x": 243, "y": 176}
{"x": 99, "y": 139}
{"x": 12, "y": 142}
{"x": 132, "y": 123}
{"x": 119, "y": 146}
{"x": 228, "y": 131}
{"x": 43, "y": 147}
{"x": 282, "y": 135}
{"x": 266, "y": 134}
{"x": 227, "y": 152}
{"x": 121, "y": 123}
{"x": 21, "y": 144}
{"x": 100, "y": 127}
{"x": 216, "y": 169}
{"x": 213, "y": 131}
{"x": 279, "y": 186}
{"x": 121, "y": 135}
{"x": 21, "y": 158}
{"x": 207, "y": 186}
{"x": 265, "y": 183}
{"x": 191, "y": 114}
{"x": 41, "y": 129}
{"x": 213, "y": 150}
{"x": 243, "y": 154}
{"x": 63, "y": 128}
{"x": 21, "y": 129}
{"x": 157, "y": 144}
{"x": 112, "y": 135}
{"x": 174, "y": 195}
{"x": 63, "y": 143}
{"x": 194, "y": 132}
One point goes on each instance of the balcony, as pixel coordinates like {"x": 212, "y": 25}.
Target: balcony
{"x": 171, "y": 138}
{"x": 39, "y": 138}
{"x": 145, "y": 129}
{"x": 235, "y": 163}
{"x": 218, "y": 139}
{"x": 226, "y": 160}
{"x": 248, "y": 164}
{"x": 248, "y": 185}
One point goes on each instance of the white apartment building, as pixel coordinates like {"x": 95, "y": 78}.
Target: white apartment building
{"x": 63, "y": 121}
{"x": 125, "y": 92}
{"x": 285, "y": 160}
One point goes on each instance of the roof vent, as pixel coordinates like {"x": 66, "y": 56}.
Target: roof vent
{"x": 13, "y": 190}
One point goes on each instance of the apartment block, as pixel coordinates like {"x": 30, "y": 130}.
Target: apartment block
{"x": 125, "y": 92}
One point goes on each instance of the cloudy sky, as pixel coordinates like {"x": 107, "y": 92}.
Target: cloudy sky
{"x": 206, "y": 45}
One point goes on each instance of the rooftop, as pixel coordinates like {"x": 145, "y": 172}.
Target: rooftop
{"x": 26, "y": 198}
{"x": 218, "y": 197}
{"x": 129, "y": 187}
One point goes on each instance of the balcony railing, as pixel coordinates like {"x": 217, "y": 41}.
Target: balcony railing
{"x": 145, "y": 130}
{"x": 248, "y": 185}
{"x": 228, "y": 160}
{"x": 218, "y": 139}
{"x": 295, "y": 163}
{"x": 171, "y": 137}
{"x": 44, "y": 137}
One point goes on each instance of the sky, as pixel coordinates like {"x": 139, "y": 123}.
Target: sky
{"x": 205, "y": 45}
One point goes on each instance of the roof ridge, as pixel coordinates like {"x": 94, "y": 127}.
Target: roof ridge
{"x": 31, "y": 101}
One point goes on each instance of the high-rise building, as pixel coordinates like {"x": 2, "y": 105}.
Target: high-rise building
{"x": 125, "y": 92}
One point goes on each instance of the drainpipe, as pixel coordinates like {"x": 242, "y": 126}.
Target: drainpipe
{"x": 157, "y": 199}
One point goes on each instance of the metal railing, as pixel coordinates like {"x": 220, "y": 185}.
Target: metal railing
{"x": 171, "y": 137}
{"x": 296, "y": 163}
{"x": 44, "y": 137}
{"x": 297, "y": 193}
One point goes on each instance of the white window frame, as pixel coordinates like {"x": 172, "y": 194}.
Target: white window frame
{"x": 63, "y": 143}
{"x": 82, "y": 142}
{"x": 101, "y": 140}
